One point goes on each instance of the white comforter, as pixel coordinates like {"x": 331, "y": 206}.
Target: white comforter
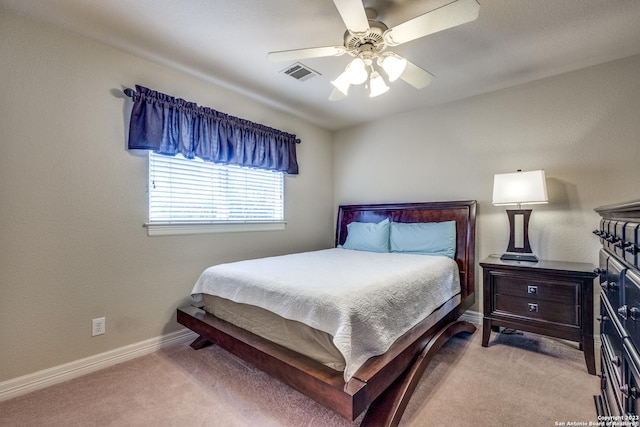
{"x": 365, "y": 300}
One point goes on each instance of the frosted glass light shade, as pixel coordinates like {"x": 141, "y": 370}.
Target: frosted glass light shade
{"x": 520, "y": 188}
{"x": 342, "y": 83}
{"x": 394, "y": 66}
{"x": 357, "y": 72}
{"x": 377, "y": 85}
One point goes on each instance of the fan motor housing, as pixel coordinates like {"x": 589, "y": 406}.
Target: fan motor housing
{"x": 372, "y": 41}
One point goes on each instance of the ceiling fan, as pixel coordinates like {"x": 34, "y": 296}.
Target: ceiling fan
{"x": 367, "y": 39}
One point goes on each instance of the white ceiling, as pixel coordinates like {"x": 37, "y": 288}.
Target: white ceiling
{"x": 227, "y": 41}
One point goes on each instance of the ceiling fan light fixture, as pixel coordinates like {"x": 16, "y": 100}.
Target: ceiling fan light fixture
{"x": 342, "y": 83}
{"x": 377, "y": 85}
{"x": 356, "y": 71}
{"x": 393, "y": 65}
{"x": 366, "y": 38}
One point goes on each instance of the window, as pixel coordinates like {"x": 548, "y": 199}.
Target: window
{"x": 193, "y": 196}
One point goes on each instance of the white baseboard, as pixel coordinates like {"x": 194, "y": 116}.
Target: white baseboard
{"x": 47, "y": 377}
{"x": 470, "y": 316}
{"x": 41, "y": 379}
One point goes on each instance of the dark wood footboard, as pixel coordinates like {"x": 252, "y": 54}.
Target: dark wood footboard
{"x": 406, "y": 359}
{"x": 388, "y": 408}
{"x": 311, "y": 378}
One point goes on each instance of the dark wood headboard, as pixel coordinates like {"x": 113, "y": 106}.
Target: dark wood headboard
{"x": 462, "y": 212}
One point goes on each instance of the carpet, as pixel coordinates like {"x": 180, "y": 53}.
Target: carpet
{"x": 518, "y": 380}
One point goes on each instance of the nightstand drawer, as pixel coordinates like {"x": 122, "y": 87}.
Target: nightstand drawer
{"x": 519, "y": 286}
{"x": 538, "y": 309}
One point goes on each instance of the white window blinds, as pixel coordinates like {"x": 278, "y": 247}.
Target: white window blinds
{"x": 185, "y": 191}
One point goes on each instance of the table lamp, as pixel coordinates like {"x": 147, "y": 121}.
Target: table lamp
{"x": 519, "y": 188}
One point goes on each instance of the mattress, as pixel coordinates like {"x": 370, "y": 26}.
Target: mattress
{"x": 291, "y": 334}
{"x": 363, "y": 301}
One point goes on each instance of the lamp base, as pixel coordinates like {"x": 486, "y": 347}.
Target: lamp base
{"x": 519, "y": 257}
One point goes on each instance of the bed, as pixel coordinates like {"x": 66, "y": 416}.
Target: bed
{"x": 380, "y": 382}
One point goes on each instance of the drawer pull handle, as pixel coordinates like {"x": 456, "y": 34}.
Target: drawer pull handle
{"x": 623, "y": 312}
{"x": 631, "y": 248}
{"x": 626, "y": 246}
{"x": 602, "y": 319}
{"x": 615, "y": 360}
{"x": 608, "y": 286}
{"x": 532, "y": 289}
{"x": 533, "y": 308}
{"x": 629, "y": 391}
{"x": 600, "y": 271}
{"x": 625, "y": 390}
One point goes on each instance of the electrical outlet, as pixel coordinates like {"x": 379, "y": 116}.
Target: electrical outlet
{"x": 98, "y": 326}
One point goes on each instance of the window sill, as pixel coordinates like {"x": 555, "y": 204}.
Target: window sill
{"x": 174, "y": 229}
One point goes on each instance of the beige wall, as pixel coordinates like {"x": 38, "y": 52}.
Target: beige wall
{"x": 583, "y": 128}
{"x": 73, "y": 200}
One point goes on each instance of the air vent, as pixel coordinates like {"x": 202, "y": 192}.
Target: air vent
{"x": 300, "y": 72}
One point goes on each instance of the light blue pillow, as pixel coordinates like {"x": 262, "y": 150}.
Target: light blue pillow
{"x": 430, "y": 238}
{"x": 368, "y": 236}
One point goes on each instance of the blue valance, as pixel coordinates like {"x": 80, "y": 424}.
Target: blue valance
{"x": 169, "y": 125}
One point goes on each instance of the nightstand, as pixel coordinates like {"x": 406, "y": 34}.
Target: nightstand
{"x": 550, "y": 298}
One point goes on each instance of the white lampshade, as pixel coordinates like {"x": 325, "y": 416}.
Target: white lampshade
{"x": 342, "y": 83}
{"x": 520, "y": 188}
{"x": 356, "y": 71}
{"x": 377, "y": 85}
{"x": 394, "y": 66}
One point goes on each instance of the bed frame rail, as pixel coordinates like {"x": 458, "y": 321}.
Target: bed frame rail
{"x": 323, "y": 384}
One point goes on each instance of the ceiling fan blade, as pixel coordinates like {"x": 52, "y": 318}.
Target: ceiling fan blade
{"x": 450, "y": 15}
{"x": 336, "y": 95}
{"x": 311, "y": 52}
{"x": 353, "y": 15}
{"x": 416, "y": 76}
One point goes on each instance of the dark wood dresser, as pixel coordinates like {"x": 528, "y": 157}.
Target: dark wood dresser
{"x": 552, "y": 298}
{"x": 619, "y": 233}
